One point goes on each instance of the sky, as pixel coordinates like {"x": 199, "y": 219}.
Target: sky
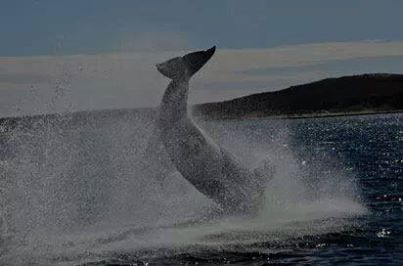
{"x": 37, "y": 27}
{"x": 61, "y": 51}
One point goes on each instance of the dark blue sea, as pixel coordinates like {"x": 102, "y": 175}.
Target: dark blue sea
{"x": 80, "y": 191}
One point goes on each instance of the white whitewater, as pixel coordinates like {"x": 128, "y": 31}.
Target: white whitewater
{"x": 74, "y": 192}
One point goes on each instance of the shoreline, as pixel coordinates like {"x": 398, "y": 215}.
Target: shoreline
{"x": 306, "y": 115}
{"x": 205, "y": 117}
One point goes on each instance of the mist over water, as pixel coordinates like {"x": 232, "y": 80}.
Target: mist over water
{"x": 78, "y": 188}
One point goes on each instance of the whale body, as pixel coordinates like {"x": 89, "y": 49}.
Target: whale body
{"x": 210, "y": 168}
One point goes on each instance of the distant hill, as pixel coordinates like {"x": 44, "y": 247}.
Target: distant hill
{"x": 367, "y": 93}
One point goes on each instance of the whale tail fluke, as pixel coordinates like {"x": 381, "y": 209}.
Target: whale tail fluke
{"x": 188, "y": 64}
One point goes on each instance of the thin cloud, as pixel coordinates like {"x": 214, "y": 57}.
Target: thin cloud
{"x": 23, "y": 78}
{"x": 153, "y": 42}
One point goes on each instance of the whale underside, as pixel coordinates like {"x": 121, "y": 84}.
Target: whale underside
{"x": 210, "y": 168}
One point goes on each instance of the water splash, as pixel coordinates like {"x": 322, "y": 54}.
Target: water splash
{"x": 76, "y": 188}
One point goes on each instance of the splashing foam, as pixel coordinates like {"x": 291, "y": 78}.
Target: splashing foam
{"x": 77, "y": 189}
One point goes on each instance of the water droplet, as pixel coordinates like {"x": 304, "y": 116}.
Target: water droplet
{"x": 383, "y": 233}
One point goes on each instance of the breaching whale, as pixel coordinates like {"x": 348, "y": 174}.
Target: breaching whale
{"x": 207, "y": 166}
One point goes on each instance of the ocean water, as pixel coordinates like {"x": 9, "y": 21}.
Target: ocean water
{"x": 83, "y": 191}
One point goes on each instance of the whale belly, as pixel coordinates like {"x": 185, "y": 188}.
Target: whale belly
{"x": 193, "y": 154}
{"x": 212, "y": 170}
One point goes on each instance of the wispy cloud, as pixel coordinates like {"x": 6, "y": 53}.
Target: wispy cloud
{"x": 14, "y": 78}
{"x": 153, "y": 42}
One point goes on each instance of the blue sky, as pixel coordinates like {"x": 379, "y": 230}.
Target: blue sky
{"x": 38, "y": 27}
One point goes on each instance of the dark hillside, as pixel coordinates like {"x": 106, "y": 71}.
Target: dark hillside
{"x": 350, "y": 94}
